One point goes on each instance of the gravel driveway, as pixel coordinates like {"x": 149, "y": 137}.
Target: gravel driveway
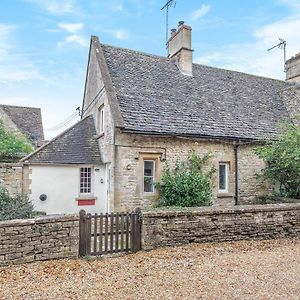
{"x": 232, "y": 270}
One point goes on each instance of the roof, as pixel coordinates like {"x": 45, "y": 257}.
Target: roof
{"x": 156, "y": 98}
{"x": 28, "y": 120}
{"x": 76, "y": 145}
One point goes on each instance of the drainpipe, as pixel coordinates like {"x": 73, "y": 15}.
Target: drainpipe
{"x": 236, "y": 174}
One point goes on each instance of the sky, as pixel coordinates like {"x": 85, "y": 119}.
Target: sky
{"x": 44, "y": 44}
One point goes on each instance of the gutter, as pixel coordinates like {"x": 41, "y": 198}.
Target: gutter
{"x": 196, "y": 136}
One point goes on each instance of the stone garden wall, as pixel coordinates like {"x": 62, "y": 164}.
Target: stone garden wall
{"x": 249, "y": 222}
{"x": 47, "y": 237}
{"x": 53, "y": 237}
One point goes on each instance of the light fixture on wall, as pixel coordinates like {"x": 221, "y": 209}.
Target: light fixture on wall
{"x": 43, "y": 197}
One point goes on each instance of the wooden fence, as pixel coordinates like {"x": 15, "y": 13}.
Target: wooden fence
{"x": 109, "y": 233}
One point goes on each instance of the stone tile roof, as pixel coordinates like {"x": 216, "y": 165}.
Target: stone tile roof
{"x": 155, "y": 97}
{"x": 76, "y": 145}
{"x": 28, "y": 120}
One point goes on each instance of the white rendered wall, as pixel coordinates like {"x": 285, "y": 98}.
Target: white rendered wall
{"x": 61, "y": 185}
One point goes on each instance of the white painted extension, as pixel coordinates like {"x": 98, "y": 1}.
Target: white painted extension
{"x": 60, "y": 185}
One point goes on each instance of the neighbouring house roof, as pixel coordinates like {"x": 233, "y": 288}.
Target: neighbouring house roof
{"x": 28, "y": 120}
{"x": 76, "y": 145}
{"x": 154, "y": 97}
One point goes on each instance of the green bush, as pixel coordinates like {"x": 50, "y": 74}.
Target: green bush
{"x": 12, "y": 147}
{"x": 186, "y": 185}
{"x": 282, "y": 158}
{"x": 17, "y": 207}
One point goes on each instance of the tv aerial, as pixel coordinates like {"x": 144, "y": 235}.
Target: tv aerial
{"x": 170, "y": 3}
{"x": 282, "y": 46}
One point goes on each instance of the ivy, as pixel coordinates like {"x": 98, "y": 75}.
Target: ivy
{"x": 282, "y": 158}
{"x": 186, "y": 185}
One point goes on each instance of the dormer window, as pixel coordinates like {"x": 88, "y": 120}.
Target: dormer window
{"x": 101, "y": 119}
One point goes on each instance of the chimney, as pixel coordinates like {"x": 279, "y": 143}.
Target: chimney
{"x": 293, "y": 69}
{"x": 180, "y": 48}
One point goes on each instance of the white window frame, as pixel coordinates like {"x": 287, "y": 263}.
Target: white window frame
{"x": 90, "y": 186}
{"x": 154, "y": 166}
{"x": 226, "y": 190}
{"x": 101, "y": 119}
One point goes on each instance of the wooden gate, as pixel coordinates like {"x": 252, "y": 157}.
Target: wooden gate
{"x": 109, "y": 233}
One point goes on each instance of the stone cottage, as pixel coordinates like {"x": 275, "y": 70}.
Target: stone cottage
{"x": 145, "y": 109}
{"x": 25, "y": 121}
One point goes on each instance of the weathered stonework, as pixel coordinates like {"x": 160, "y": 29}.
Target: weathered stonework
{"x": 171, "y": 228}
{"x": 38, "y": 239}
{"x": 11, "y": 177}
{"x": 132, "y": 149}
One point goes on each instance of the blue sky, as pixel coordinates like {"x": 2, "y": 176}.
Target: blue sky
{"x": 44, "y": 43}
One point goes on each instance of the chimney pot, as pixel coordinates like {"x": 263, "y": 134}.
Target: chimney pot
{"x": 173, "y": 31}
{"x": 180, "y": 23}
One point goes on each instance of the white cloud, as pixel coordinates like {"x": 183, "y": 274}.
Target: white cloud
{"x": 74, "y": 36}
{"x": 56, "y": 6}
{"x": 254, "y": 57}
{"x": 199, "y": 13}
{"x": 71, "y": 27}
{"x": 14, "y": 66}
{"x": 119, "y": 34}
{"x": 75, "y": 39}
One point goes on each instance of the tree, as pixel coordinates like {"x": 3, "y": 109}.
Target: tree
{"x": 12, "y": 146}
{"x": 186, "y": 185}
{"x": 282, "y": 158}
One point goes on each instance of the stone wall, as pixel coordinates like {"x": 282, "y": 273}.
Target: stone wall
{"x": 132, "y": 149}
{"x": 171, "y": 228}
{"x": 43, "y": 238}
{"x": 11, "y": 177}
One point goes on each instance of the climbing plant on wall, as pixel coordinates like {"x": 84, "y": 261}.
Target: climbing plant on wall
{"x": 186, "y": 184}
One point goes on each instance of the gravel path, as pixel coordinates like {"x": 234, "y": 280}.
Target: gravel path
{"x": 232, "y": 270}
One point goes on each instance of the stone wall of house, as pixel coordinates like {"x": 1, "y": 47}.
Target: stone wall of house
{"x": 43, "y": 238}
{"x": 11, "y": 177}
{"x": 249, "y": 222}
{"x": 94, "y": 98}
{"x": 132, "y": 149}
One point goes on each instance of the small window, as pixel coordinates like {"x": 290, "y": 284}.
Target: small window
{"x": 85, "y": 180}
{"x": 148, "y": 180}
{"x": 101, "y": 119}
{"x": 223, "y": 177}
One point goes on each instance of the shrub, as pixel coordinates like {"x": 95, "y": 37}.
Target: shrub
{"x": 282, "y": 158}
{"x": 186, "y": 185}
{"x": 12, "y": 146}
{"x": 17, "y": 207}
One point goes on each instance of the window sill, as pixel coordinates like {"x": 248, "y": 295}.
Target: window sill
{"x": 86, "y": 200}
{"x": 224, "y": 195}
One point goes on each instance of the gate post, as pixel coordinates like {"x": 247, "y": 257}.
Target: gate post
{"x": 82, "y": 233}
{"x": 136, "y": 230}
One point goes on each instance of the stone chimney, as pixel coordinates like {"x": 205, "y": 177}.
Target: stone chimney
{"x": 293, "y": 69}
{"x": 180, "y": 48}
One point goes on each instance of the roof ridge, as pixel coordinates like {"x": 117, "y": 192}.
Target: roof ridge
{"x": 20, "y": 106}
{"x": 54, "y": 139}
{"x": 137, "y": 51}
{"x": 194, "y": 63}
